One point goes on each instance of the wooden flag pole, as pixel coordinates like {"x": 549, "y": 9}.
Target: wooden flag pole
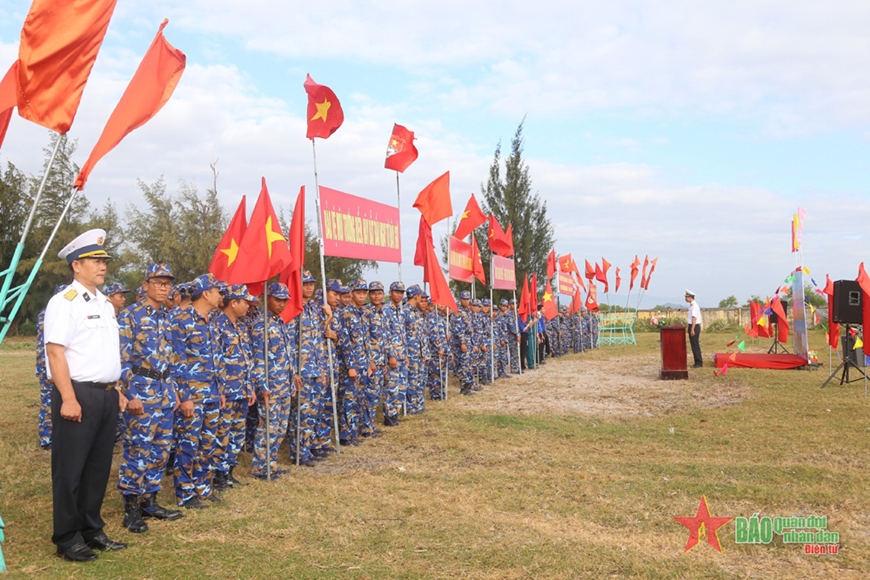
{"x": 323, "y": 286}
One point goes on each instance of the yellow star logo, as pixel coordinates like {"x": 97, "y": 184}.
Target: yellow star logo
{"x": 464, "y": 215}
{"x": 394, "y": 142}
{"x": 322, "y": 110}
{"x": 272, "y": 236}
{"x": 548, "y": 297}
{"x": 231, "y": 252}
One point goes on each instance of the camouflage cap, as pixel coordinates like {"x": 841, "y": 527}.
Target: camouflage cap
{"x": 413, "y": 291}
{"x": 475, "y": 302}
{"x": 307, "y": 277}
{"x": 424, "y": 295}
{"x": 503, "y": 302}
{"x": 376, "y": 285}
{"x": 333, "y": 284}
{"x": 114, "y": 289}
{"x": 203, "y": 283}
{"x": 465, "y": 295}
{"x": 397, "y": 287}
{"x": 485, "y": 302}
{"x": 158, "y": 271}
{"x": 360, "y": 285}
{"x": 238, "y": 292}
{"x": 279, "y": 291}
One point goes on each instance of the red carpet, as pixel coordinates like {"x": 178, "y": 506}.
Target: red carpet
{"x": 759, "y": 361}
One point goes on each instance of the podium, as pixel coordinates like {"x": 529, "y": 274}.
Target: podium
{"x": 673, "y": 344}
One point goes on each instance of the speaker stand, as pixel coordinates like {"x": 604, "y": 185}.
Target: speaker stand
{"x": 777, "y": 347}
{"x": 843, "y": 369}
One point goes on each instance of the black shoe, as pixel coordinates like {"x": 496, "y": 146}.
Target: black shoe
{"x": 220, "y": 481}
{"x": 307, "y": 463}
{"x": 152, "y": 509}
{"x": 345, "y": 442}
{"x": 133, "y": 515}
{"x": 319, "y": 453}
{"x": 232, "y": 481}
{"x": 263, "y": 477}
{"x": 104, "y": 544}
{"x": 214, "y": 498}
{"x": 195, "y": 504}
{"x": 697, "y": 365}
{"x": 77, "y": 553}
{"x": 391, "y": 420}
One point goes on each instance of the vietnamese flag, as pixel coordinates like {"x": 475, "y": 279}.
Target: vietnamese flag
{"x": 551, "y": 263}
{"x": 472, "y": 218}
{"x": 292, "y": 274}
{"x": 590, "y": 273}
{"x": 434, "y": 201}
{"x": 228, "y": 249}
{"x": 263, "y": 252}
{"x": 579, "y": 278}
{"x": 400, "y": 150}
{"x": 439, "y": 290}
{"x": 324, "y": 111}
{"x": 8, "y": 98}
{"x": 634, "y": 269}
{"x": 497, "y": 238}
{"x": 549, "y": 308}
{"x": 149, "y": 89}
{"x": 59, "y": 44}
{"x": 476, "y": 262}
{"x": 523, "y": 308}
{"x": 509, "y": 239}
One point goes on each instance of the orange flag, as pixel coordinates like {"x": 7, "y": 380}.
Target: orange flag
{"x": 292, "y": 274}
{"x": 550, "y": 311}
{"x": 634, "y": 269}
{"x": 472, "y": 218}
{"x": 8, "y": 99}
{"x": 864, "y": 282}
{"x": 643, "y": 272}
{"x": 645, "y": 283}
{"x": 434, "y": 201}
{"x": 263, "y": 251}
{"x": 149, "y": 89}
{"x": 59, "y": 44}
{"x": 476, "y": 262}
{"x": 228, "y": 249}
{"x": 618, "y": 280}
{"x": 324, "y": 111}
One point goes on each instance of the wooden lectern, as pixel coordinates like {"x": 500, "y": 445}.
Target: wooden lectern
{"x": 673, "y": 342}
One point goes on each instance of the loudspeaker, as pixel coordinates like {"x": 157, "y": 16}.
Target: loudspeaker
{"x": 773, "y": 318}
{"x": 850, "y": 353}
{"x": 847, "y": 302}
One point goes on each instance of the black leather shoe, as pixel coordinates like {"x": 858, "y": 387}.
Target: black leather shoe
{"x": 102, "y": 543}
{"x": 232, "y": 481}
{"x": 77, "y": 553}
{"x": 697, "y": 365}
{"x": 194, "y": 504}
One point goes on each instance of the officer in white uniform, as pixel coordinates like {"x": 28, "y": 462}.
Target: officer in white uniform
{"x": 82, "y": 349}
{"x": 694, "y": 329}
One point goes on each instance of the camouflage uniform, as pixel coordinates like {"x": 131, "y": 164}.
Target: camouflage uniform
{"x": 194, "y": 370}
{"x": 416, "y": 354}
{"x": 354, "y": 348}
{"x": 146, "y": 357}
{"x": 504, "y": 339}
{"x": 321, "y": 384}
{"x": 374, "y": 384}
{"x": 281, "y": 367}
{"x": 396, "y": 380}
{"x": 461, "y": 332}
{"x": 513, "y": 333}
{"x": 480, "y": 339}
{"x": 436, "y": 330}
{"x": 315, "y": 413}
{"x": 253, "y": 418}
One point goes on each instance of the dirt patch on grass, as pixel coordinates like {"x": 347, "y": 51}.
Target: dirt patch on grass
{"x": 628, "y": 386}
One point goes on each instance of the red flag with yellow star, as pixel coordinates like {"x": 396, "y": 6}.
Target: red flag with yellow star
{"x": 324, "y": 111}
{"x": 549, "y": 309}
{"x": 228, "y": 249}
{"x": 263, "y": 251}
{"x": 472, "y": 218}
{"x": 477, "y": 262}
{"x": 498, "y": 240}
{"x": 400, "y": 150}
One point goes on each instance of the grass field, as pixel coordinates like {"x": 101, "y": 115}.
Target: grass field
{"x": 472, "y": 489}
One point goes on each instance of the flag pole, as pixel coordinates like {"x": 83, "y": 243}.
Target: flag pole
{"x": 447, "y": 370}
{"x": 323, "y": 286}
{"x": 517, "y": 317}
{"x": 491, "y": 336}
{"x": 266, "y": 380}
{"x": 9, "y": 272}
{"x": 399, "y": 207}
{"x": 299, "y": 374}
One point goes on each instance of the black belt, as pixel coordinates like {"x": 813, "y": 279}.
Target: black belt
{"x": 150, "y": 373}
{"x": 103, "y": 386}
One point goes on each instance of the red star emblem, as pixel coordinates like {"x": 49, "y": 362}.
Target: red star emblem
{"x": 703, "y": 524}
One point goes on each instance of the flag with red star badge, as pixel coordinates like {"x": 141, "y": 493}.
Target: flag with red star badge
{"x": 400, "y": 150}
{"x": 324, "y": 111}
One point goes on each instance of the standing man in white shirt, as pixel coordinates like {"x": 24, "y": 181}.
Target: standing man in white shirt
{"x": 694, "y": 329}
{"x": 82, "y": 349}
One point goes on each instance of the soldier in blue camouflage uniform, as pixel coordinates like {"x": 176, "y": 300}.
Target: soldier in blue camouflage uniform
{"x": 593, "y": 329}
{"x": 45, "y": 385}
{"x": 315, "y": 395}
{"x": 514, "y": 336}
{"x": 146, "y": 355}
{"x": 374, "y": 383}
{"x": 463, "y": 339}
{"x": 396, "y": 379}
{"x": 585, "y": 329}
{"x": 356, "y": 361}
{"x": 504, "y": 339}
{"x": 323, "y": 342}
{"x": 479, "y": 338}
{"x": 234, "y": 383}
{"x": 194, "y": 369}
{"x": 416, "y": 351}
{"x": 117, "y": 295}
{"x": 275, "y": 391}
{"x": 254, "y": 314}
{"x": 436, "y": 330}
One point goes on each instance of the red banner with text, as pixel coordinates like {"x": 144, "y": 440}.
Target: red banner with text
{"x": 503, "y": 273}
{"x": 355, "y": 227}
{"x": 566, "y": 284}
{"x": 459, "y": 265}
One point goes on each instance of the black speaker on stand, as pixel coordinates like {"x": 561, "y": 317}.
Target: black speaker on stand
{"x": 848, "y": 306}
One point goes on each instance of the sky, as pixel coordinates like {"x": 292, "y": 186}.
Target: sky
{"x": 681, "y": 130}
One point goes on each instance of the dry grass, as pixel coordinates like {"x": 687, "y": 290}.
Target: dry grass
{"x": 570, "y": 471}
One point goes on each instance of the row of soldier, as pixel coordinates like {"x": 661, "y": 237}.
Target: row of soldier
{"x": 209, "y": 373}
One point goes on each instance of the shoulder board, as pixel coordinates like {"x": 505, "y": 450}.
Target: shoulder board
{"x": 71, "y": 293}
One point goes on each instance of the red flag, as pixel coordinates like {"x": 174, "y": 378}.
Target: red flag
{"x": 59, "y": 44}
{"x": 292, "y": 274}
{"x": 576, "y": 300}
{"x": 523, "y": 308}
{"x": 566, "y": 263}
{"x": 228, "y": 249}
{"x": 476, "y": 262}
{"x": 550, "y": 310}
{"x": 400, "y": 150}
{"x": 509, "y": 240}
{"x": 263, "y": 251}
{"x": 551, "y": 263}
{"x": 424, "y": 240}
{"x": 439, "y": 290}
{"x": 864, "y": 281}
{"x": 592, "y": 298}
{"x": 8, "y": 98}
{"x": 605, "y": 266}
{"x": 643, "y": 272}
{"x": 497, "y": 238}
{"x": 149, "y": 89}
{"x": 324, "y": 111}
{"x": 533, "y": 292}
{"x": 434, "y": 201}
{"x": 601, "y": 276}
{"x": 782, "y": 321}
{"x": 634, "y": 268}
{"x": 618, "y": 280}
{"x": 590, "y": 273}
{"x": 472, "y": 218}
{"x": 645, "y": 285}
{"x": 579, "y": 278}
